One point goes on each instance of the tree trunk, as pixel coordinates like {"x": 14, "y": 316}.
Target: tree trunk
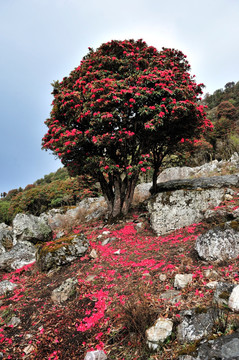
{"x": 118, "y": 195}
{"x": 155, "y": 176}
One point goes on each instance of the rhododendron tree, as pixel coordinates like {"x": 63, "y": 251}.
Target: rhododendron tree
{"x": 121, "y": 112}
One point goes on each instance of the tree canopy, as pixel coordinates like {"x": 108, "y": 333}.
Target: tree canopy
{"x": 120, "y": 112}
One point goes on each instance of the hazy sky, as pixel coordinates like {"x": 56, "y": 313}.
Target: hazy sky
{"x": 43, "y": 40}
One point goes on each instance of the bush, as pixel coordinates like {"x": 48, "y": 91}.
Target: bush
{"x": 54, "y": 194}
{"x": 4, "y": 211}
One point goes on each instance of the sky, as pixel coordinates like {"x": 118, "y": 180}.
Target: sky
{"x": 44, "y": 40}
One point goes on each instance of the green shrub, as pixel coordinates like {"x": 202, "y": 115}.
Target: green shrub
{"x": 4, "y": 211}
{"x": 57, "y": 193}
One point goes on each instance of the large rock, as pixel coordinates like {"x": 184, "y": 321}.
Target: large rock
{"x": 173, "y": 210}
{"x": 222, "y": 293}
{"x": 6, "y": 239}
{"x": 213, "y": 182}
{"x": 6, "y": 286}
{"x": 195, "y": 324}
{"x": 224, "y": 347}
{"x": 23, "y": 253}
{"x": 175, "y": 173}
{"x": 31, "y": 228}
{"x": 87, "y": 210}
{"x": 159, "y": 332}
{"x": 53, "y": 218}
{"x": 61, "y": 252}
{"x": 218, "y": 244}
{"x": 233, "y": 302}
{"x": 213, "y": 167}
{"x": 141, "y": 192}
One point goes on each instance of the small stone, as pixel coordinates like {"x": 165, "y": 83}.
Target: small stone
{"x": 212, "y": 284}
{"x": 14, "y": 321}
{"x": 162, "y": 277}
{"x": 95, "y": 355}
{"x": 93, "y": 254}
{"x": 228, "y": 197}
{"x": 28, "y": 349}
{"x": 108, "y": 240}
{"x": 60, "y": 234}
{"x": 233, "y": 302}
{"x": 173, "y": 296}
{"x": 65, "y": 291}
{"x": 139, "y": 226}
{"x": 182, "y": 280}
{"x": 211, "y": 274}
{"x": 158, "y": 332}
{"x": 117, "y": 252}
{"x": 90, "y": 277}
{"x": 106, "y": 232}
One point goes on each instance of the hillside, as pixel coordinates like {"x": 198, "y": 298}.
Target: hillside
{"x": 126, "y": 279}
{"x": 124, "y": 282}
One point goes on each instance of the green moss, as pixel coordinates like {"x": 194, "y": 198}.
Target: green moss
{"x": 234, "y": 225}
{"x": 224, "y": 295}
{"x": 6, "y": 315}
{"x": 53, "y": 246}
{"x": 189, "y": 348}
{"x": 201, "y": 310}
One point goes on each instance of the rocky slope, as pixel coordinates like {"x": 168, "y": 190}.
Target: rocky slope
{"x": 126, "y": 293}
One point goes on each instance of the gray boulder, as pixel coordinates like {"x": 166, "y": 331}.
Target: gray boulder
{"x": 233, "y": 302}
{"x": 89, "y": 209}
{"x": 141, "y": 192}
{"x": 23, "y": 253}
{"x": 212, "y": 167}
{"x": 214, "y": 182}
{"x": 53, "y": 218}
{"x": 224, "y": 348}
{"x": 173, "y": 210}
{"x": 195, "y": 325}
{"x": 176, "y": 173}
{"x": 218, "y": 244}
{"x": 6, "y": 285}
{"x": 31, "y": 228}
{"x": 222, "y": 293}
{"x": 61, "y": 252}
{"x": 6, "y": 239}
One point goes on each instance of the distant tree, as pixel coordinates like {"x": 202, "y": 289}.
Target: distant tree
{"x": 11, "y": 194}
{"x": 124, "y": 109}
{"x": 229, "y": 85}
{"x": 226, "y": 109}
